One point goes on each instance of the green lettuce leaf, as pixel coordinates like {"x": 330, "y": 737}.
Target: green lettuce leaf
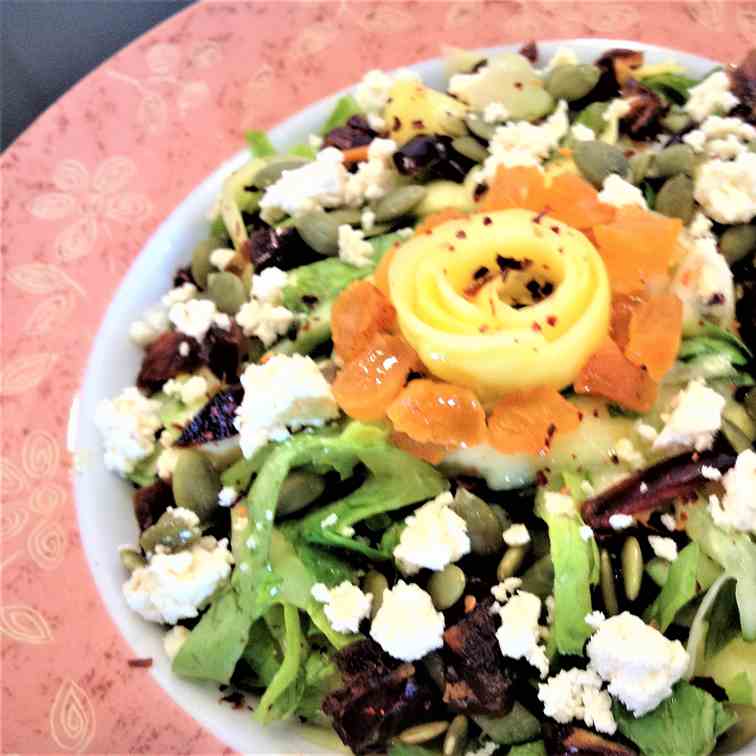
{"x": 688, "y": 722}
{"x": 679, "y": 588}
{"x": 529, "y": 749}
{"x": 259, "y": 144}
{"x": 343, "y": 110}
{"x": 262, "y": 653}
{"x": 724, "y": 620}
{"x": 518, "y": 726}
{"x": 672, "y": 86}
{"x": 734, "y": 668}
{"x": 323, "y": 279}
{"x": 321, "y": 677}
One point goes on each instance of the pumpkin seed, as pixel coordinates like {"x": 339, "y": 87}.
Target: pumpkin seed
{"x": 455, "y": 740}
{"x": 571, "y": 82}
{"x": 201, "y": 260}
{"x": 434, "y": 666}
{"x": 658, "y": 570}
{"x": 272, "y": 171}
{"x": 529, "y": 104}
{"x": 479, "y": 127}
{"x": 422, "y": 733}
{"x": 539, "y": 577}
{"x": 597, "y": 160}
{"x": 539, "y": 542}
{"x": 321, "y": 230}
{"x": 593, "y": 117}
{"x": 299, "y": 489}
{"x": 511, "y": 562}
{"x": 676, "y": 120}
{"x": 750, "y": 403}
{"x": 470, "y": 147}
{"x": 501, "y": 515}
{"x": 608, "y": 589}
{"x": 675, "y": 198}
{"x": 640, "y": 165}
{"x": 195, "y": 483}
{"x": 171, "y": 531}
{"x": 738, "y": 427}
{"x": 447, "y": 586}
{"x": 678, "y": 158}
{"x": 483, "y": 526}
{"x": 632, "y": 567}
{"x": 737, "y": 242}
{"x": 374, "y": 582}
{"x": 398, "y": 202}
{"x": 227, "y": 291}
{"x": 131, "y": 559}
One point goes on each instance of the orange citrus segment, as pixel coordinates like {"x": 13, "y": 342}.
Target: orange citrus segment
{"x": 360, "y": 312}
{"x": 574, "y": 201}
{"x": 436, "y": 219}
{"x": 515, "y": 187}
{"x": 610, "y": 374}
{"x": 526, "y": 422}
{"x": 654, "y": 334}
{"x": 432, "y": 453}
{"x": 439, "y": 413}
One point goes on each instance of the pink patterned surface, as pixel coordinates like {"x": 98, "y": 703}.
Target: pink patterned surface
{"x": 82, "y": 190}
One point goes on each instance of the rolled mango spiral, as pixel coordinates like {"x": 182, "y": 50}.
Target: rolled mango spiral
{"x": 502, "y": 301}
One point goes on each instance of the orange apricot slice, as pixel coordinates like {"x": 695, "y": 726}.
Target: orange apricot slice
{"x": 654, "y": 334}
{"x": 436, "y": 219}
{"x": 366, "y": 385}
{"x": 525, "y": 422}
{"x": 623, "y": 307}
{"x": 515, "y": 187}
{"x": 381, "y": 273}
{"x": 439, "y": 413}
{"x": 428, "y": 452}
{"x": 574, "y": 201}
{"x": 359, "y": 312}
{"x": 608, "y": 373}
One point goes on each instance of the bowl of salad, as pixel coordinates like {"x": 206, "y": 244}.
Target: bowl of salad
{"x": 435, "y": 415}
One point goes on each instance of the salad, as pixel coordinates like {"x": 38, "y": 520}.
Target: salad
{"x": 443, "y": 439}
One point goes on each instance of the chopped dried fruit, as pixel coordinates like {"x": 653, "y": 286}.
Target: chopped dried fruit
{"x": 164, "y": 360}
{"x": 428, "y": 452}
{"x": 440, "y": 413}
{"x": 574, "y": 201}
{"x": 623, "y": 307}
{"x": 654, "y": 334}
{"x": 526, "y": 422}
{"x": 610, "y": 374}
{"x": 515, "y": 187}
{"x": 436, "y": 219}
{"x": 360, "y": 312}
{"x": 381, "y": 274}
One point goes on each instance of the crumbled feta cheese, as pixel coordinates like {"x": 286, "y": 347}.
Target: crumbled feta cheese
{"x": 711, "y": 96}
{"x": 128, "y": 425}
{"x": 700, "y": 227}
{"x": 353, "y": 248}
{"x": 373, "y": 92}
{"x": 620, "y": 193}
{"x": 173, "y": 640}
{"x": 506, "y": 589}
{"x": 367, "y": 220}
{"x": 626, "y": 451}
{"x": 166, "y": 463}
{"x": 617, "y": 110}
{"x": 621, "y": 521}
{"x": 221, "y": 258}
{"x": 523, "y": 143}
{"x": 637, "y": 661}
{"x": 723, "y": 138}
{"x": 516, "y": 535}
{"x": 376, "y": 123}
{"x": 184, "y": 349}
{"x": 329, "y": 521}
{"x": 695, "y": 419}
{"x": 265, "y": 321}
{"x": 564, "y": 56}
{"x": 669, "y": 521}
{"x": 288, "y": 390}
{"x": 188, "y": 391}
{"x": 407, "y": 626}
{"x": 375, "y": 176}
{"x": 434, "y": 537}
{"x": 710, "y": 473}
{"x": 576, "y": 694}
{"x": 519, "y": 632}
{"x": 594, "y": 619}
{"x": 315, "y": 141}
{"x": 171, "y": 587}
{"x": 559, "y": 504}
{"x": 582, "y": 133}
{"x": 227, "y": 496}
{"x": 345, "y": 605}
{"x": 646, "y": 432}
{"x": 195, "y": 317}
{"x": 154, "y": 322}
{"x": 643, "y": 488}
{"x": 587, "y": 488}
{"x": 727, "y": 189}
{"x": 586, "y": 532}
{"x": 268, "y": 286}
{"x": 738, "y": 507}
{"x": 405, "y": 233}
{"x": 495, "y": 112}
{"x": 182, "y": 293}
{"x": 487, "y": 749}
{"x": 664, "y": 548}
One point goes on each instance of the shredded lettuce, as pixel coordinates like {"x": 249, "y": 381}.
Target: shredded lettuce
{"x": 724, "y": 620}
{"x": 672, "y": 86}
{"x": 259, "y": 144}
{"x": 679, "y": 588}
{"x": 734, "y": 668}
{"x": 343, "y": 110}
{"x": 262, "y": 653}
{"x": 517, "y": 726}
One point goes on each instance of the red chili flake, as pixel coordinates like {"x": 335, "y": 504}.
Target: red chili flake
{"x": 551, "y": 320}
{"x": 483, "y": 328}
{"x": 397, "y": 124}
{"x": 481, "y": 272}
{"x": 142, "y": 663}
{"x": 487, "y": 221}
{"x": 235, "y": 698}
{"x": 418, "y": 124}
{"x": 479, "y": 191}
{"x": 595, "y": 413}
{"x": 695, "y": 456}
{"x": 450, "y": 247}
{"x": 536, "y": 326}
{"x": 556, "y": 229}
{"x": 540, "y": 216}
{"x": 461, "y": 234}
{"x": 580, "y": 416}
{"x": 615, "y": 459}
{"x": 518, "y": 85}
{"x": 541, "y": 479}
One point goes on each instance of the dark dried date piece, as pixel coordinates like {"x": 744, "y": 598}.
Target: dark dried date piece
{"x": 215, "y": 421}
{"x": 355, "y": 133}
{"x": 150, "y": 502}
{"x": 164, "y": 360}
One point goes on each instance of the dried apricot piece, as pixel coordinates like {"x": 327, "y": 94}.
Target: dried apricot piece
{"x": 610, "y": 374}
{"x": 428, "y": 452}
{"x": 359, "y": 312}
{"x": 436, "y": 219}
{"x": 381, "y": 273}
{"x": 525, "y": 422}
{"x": 638, "y": 246}
{"x": 440, "y": 413}
{"x": 574, "y": 201}
{"x": 654, "y": 334}
{"x": 367, "y": 384}
{"x": 521, "y": 186}
{"x": 623, "y": 307}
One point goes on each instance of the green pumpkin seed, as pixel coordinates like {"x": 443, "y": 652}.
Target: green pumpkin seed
{"x": 738, "y": 427}
{"x": 455, "y": 740}
{"x": 632, "y": 567}
{"x": 131, "y": 559}
{"x": 539, "y": 543}
{"x": 501, "y": 515}
{"x": 511, "y": 562}
{"x": 597, "y": 160}
{"x": 750, "y": 403}
{"x": 675, "y": 198}
{"x": 201, "y": 260}
{"x": 676, "y": 120}
{"x": 299, "y": 489}
{"x": 571, "y": 82}
{"x": 539, "y": 577}
{"x": 640, "y": 166}
{"x": 483, "y": 526}
{"x": 737, "y": 242}
{"x": 608, "y": 589}
{"x": 398, "y": 202}
{"x": 273, "y": 171}
{"x": 171, "y": 531}
{"x": 470, "y": 147}
{"x": 321, "y": 230}
{"x": 434, "y": 666}
{"x": 529, "y": 104}
{"x": 422, "y": 733}
{"x": 593, "y": 117}
{"x": 195, "y": 484}
{"x": 447, "y": 586}
{"x": 480, "y": 128}
{"x": 374, "y": 582}
{"x": 227, "y": 292}
{"x": 658, "y": 570}
{"x": 679, "y": 158}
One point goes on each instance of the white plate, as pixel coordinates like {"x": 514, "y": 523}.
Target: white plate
{"x": 103, "y": 502}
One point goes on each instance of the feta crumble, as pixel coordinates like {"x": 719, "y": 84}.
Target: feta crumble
{"x": 669, "y": 521}
{"x": 594, "y": 619}
{"x": 184, "y": 349}
{"x": 506, "y": 589}
{"x": 726, "y": 189}
{"x": 626, "y": 452}
{"x": 221, "y": 258}
{"x": 227, "y": 496}
{"x": 519, "y": 633}
{"x": 196, "y": 316}
{"x": 637, "y": 661}
{"x": 407, "y": 626}
{"x": 646, "y": 432}
{"x": 495, "y": 112}
{"x": 582, "y": 133}
{"x": 367, "y": 220}
{"x": 373, "y": 92}
{"x": 166, "y": 463}
{"x": 434, "y": 537}
{"x": 586, "y": 532}
{"x": 516, "y": 535}
{"x": 711, "y": 96}
{"x": 182, "y": 293}
{"x": 286, "y": 391}
{"x": 576, "y": 694}
{"x": 268, "y": 286}
{"x": 265, "y": 321}
{"x": 664, "y": 548}
{"x": 621, "y": 521}
{"x": 737, "y": 509}
{"x": 174, "y": 639}
{"x": 723, "y": 138}
{"x": 375, "y": 176}
{"x": 710, "y": 473}
{"x": 188, "y": 391}
{"x": 620, "y": 193}
{"x": 153, "y": 322}
{"x": 345, "y": 605}
{"x": 353, "y": 248}
{"x": 559, "y": 504}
